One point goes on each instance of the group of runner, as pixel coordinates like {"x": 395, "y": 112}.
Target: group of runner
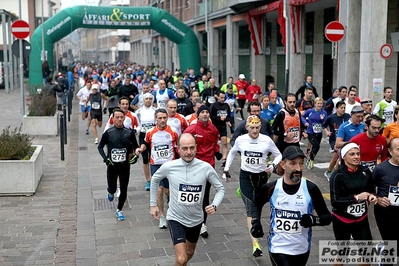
{"x": 169, "y": 108}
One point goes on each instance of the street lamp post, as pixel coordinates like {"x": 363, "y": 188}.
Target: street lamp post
{"x": 124, "y": 39}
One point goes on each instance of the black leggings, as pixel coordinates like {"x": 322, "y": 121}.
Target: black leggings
{"x": 315, "y": 140}
{"x": 241, "y": 104}
{"x": 147, "y": 153}
{"x": 279, "y": 259}
{"x": 123, "y": 171}
{"x": 387, "y": 221}
{"x": 358, "y": 230}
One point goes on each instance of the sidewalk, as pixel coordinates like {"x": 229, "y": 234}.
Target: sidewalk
{"x": 69, "y": 221}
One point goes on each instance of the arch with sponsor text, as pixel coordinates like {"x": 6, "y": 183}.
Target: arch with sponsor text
{"x": 112, "y": 17}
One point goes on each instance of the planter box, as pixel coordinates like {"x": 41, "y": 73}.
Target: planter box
{"x": 18, "y": 177}
{"x": 41, "y": 125}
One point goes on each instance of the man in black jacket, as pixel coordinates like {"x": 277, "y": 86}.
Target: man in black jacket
{"x": 301, "y": 90}
{"x": 129, "y": 90}
{"x": 220, "y": 114}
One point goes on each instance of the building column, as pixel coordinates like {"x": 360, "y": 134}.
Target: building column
{"x": 349, "y": 46}
{"x": 374, "y": 23}
{"x": 168, "y": 54}
{"x": 160, "y": 52}
{"x": 231, "y": 48}
{"x": 258, "y": 62}
{"x": 318, "y": 51}
{"x": 213, "y": 50}
{"x": 298, "y": 60}
{"x": 273, "y": 51}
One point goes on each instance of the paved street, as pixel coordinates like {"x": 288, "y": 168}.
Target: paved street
{"x": 69, "y": 221}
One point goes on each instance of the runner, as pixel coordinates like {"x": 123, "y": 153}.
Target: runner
{"x": 254, "y": 149}
{"x": 292, "y": 200}
{"x": 313, "y": 119}
{"x": 331, "y": 126}
{"x": 121, "y": 143}
{"x": 96, "y": 114}
{"x": 146, "y": 119}
{"x": 162, "y": 139}
{"x": 187, "y": 177}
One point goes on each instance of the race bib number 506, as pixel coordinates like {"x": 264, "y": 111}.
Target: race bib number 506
{"x": 189, "y": 194}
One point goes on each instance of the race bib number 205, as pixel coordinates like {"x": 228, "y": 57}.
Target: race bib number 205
{"x": 189, "y": 194}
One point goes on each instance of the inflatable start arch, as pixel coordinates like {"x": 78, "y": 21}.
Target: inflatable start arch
{"x": 115, "y": 17}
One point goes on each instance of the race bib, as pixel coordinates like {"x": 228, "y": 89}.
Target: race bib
{"x": 96, "y": 105}
{"x": 253, "y": 158}
{"x": 388, "y": 115}
{"x": 222, "y": 113}
{"x": 211, "y": 99}
{"x": 118, "y": 155}
{"x": 147, "y": 126}
{"x": 369, "y": 165}
{"x": 161, "y": 104}
{"x": 357, "y": 209}
{"x": 189, "y": 194}
{"x": 317, "y": 128}
{"x": 287, "y": 222}
{"x": 393, "y": 195}
{"x": 242, "y": 92}
{"x": 295, "y": 130}
{"x": 161, "y": 151}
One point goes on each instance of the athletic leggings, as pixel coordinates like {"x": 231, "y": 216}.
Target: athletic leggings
{"x": 123, "y": 171}
{"x": 205, "y": 202}
{"x": 241, "y": 104}
{"x": 279, "y": 259}
{"x": 315, "y": 140}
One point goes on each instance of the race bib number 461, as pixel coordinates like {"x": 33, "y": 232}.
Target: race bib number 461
{"x": 189, "y": 194}
{"x": 252, "y": 157}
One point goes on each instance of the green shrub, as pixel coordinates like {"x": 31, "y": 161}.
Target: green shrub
{"x": 43, "y": 103}
{"x": 15, "y": 145}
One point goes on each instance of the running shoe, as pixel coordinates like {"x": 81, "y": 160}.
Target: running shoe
{"x": 96, "y": 141}
{"x": 87, "y": 132}
{"x": 311, "y": 164}
{"x": 223, "y": 163}
{"x": 327, "y": 174}
{"x": 162, "y": 222}
{"x": 204, "y": 231}
{"x": 118, "y": 192}
{"x": 256, "y": 250}
{"x": 148, "y": 186}
{"x": 238, "y": 192}
{"x": 110, "y": 196}
{"x": 119, "y": 215}
{"x": 307, "y": 153}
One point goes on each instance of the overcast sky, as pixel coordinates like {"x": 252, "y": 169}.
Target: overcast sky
{"x": 70, "y": 3}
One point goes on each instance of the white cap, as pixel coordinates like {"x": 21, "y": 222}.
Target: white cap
{"x": 129, "y": 68}
{"x": 94, "y": 87}
{"x": 241, "y": 76}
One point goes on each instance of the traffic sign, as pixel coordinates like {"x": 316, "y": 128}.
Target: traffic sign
{"x": 20, "y": 29}
{"x": 386, "y": 51}
{"x": 25, "y": 48}
{"x": 334, "y": 31}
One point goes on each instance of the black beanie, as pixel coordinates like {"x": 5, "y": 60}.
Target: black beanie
{"x": 202, "y": 108}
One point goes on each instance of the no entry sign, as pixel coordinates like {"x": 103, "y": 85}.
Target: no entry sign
{"x": 20, "y": 29}
{"x": 334, "y": 31}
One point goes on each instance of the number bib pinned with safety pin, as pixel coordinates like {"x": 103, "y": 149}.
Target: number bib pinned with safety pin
{"x": 189, "y": 194}
{"x": 118, "y": 155}
{"x": 393, "y": 195}
{"x": 287, "y": 222}
{"x": 357, "y": 209}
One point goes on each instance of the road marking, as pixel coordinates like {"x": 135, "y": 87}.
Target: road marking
{"x": 322, "y": 165}
{"x": 326, "y": 196}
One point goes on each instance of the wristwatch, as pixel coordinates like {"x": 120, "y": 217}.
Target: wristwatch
{"x": 215, "y": 207}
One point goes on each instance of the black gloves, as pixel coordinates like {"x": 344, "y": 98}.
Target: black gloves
{"x": 256, "y": 229}
{"x": 218, "y": 156}
{"x": 307, "y": 220}
{"x": 105, "y": 110}
{"x": 108, "y": 162}
{"x": 134, "y": 159}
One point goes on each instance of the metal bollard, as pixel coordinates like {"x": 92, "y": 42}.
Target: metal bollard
{"x": 65, "y": 125}
{"x": 62, "y": 136}
{"x": 69, "y": 105}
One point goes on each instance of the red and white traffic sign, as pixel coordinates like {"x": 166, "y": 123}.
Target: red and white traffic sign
{"x": 334, "y": 31}
{"x": 20, "y": 29}
{"x": 386, "y": 51}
